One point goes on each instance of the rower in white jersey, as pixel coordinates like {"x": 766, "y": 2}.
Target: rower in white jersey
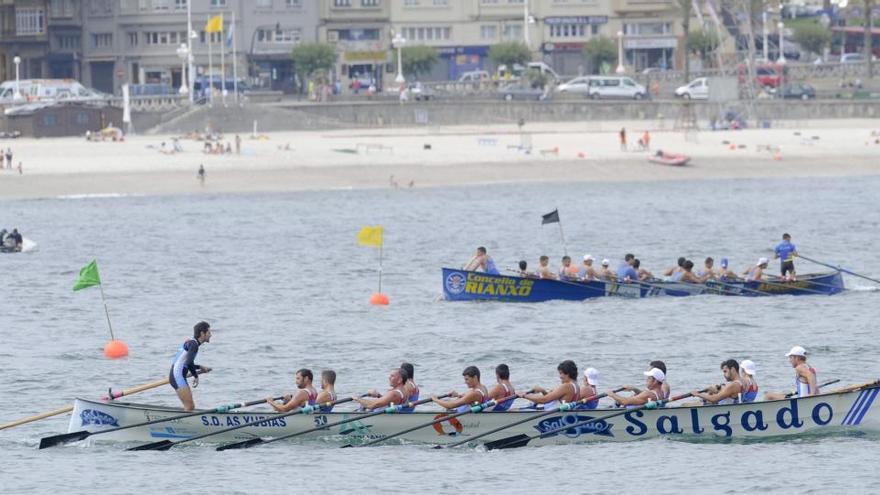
{"x": 502, "y": 388}
{"x": 475, "y": 394}
{"x": 729, "y": 393}
{"x": 306, "y": 395}
{"x": 654, "y": 379}
{"x": 567, "y": 390}
{"x": 805, "y": 383}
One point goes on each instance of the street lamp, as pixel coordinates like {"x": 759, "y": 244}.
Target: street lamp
{"x": 17, "y": 95}
{"x": 620, "y": 68}
{"x": 764, "y": 29}
{"x": 781, "y": 59}
{"x": 183, "y": 53}
{"x": 398, "y": 42}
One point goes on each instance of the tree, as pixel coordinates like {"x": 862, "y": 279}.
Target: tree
{"x": 509, "y": 54}
{"x": 600, "y": 50}
{"x": 869, "y": 37}
{"x": 703, "y": 42}
{"x": 685, "y": 7}
{"x": 417, "y": 59}
{"x": 812, "y": 36}
{"x": 312, "y": 57}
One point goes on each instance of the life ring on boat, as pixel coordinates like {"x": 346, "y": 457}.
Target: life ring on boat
{"x": 450, "y": 427}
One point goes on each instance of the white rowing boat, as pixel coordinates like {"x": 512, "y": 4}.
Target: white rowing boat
{"x": 839, "y": 411}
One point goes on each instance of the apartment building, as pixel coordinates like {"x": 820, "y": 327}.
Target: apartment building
{"x": 23, "y": 34}
{"x": 359, "y": 29}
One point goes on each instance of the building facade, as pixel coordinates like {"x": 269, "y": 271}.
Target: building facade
{"x": 359, "y": 30}
{"x": 24, "y": 34}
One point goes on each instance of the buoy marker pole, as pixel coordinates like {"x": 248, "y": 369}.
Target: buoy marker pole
{"x": 106, "y": 312}
{"x": 380, "y": 267}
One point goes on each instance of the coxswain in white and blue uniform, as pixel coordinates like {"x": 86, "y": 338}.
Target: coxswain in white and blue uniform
{"x": 475, "y": 394}
{"x": 589, "y": 389}
{"x": 306, "y": 395}
{"x": 567, "y": 390}
{"x": 395, "y": 396}
{"x": 729, "y": 393}
{"x": 747, "y": 371}
{"x": 502, "y": 389}
{"x": 786, "y": 251}
{"x": 184, "y": 363}
{"x": 412, "y": 388}
{"x": 327, "y": 395}
{"x": 654, "y": 379}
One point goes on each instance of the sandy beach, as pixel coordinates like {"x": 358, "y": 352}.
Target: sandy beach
{"x": 436, "y": 156}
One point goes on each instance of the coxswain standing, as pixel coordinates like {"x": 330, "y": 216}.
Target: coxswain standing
{"x": 396, "y": 395}
{"x": 306, "y": 395}
{"x": 475, "y": 394}
{"x": 786, "y": 251}
{"x": 729, "y": 393}
{"x": 805, "y": 383}
{"x": 502, "y": 388}
{"x": 567, "y": 391}
{"x": 184, "y": 363}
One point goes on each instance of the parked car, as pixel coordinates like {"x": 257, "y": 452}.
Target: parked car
{"x": 519, "y": 92}
{"x": 800, "y": 91}
{"x": 578, "y": 85}
{"x": 698, "y": 89}
{"x": 615, "y": 87}
{"x": 854, "y": 58}
{"x": 770, "y": 75}
{"x": 474, "y": 76}
{"x": 420, "y": 92}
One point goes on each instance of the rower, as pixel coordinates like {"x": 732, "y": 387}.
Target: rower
{"x": 660, "y": 365}
{"x": 643, "y": 274}
{"x": 306, "y": 395}
{"x": 567, "y": 391}
{"x": 605, "y": 273}
{"x": 730, "y": 392}
{"x": 397, "y": 394}
{"x": 567, "y": 271}
{"x": 707, "y": 272}
{"x": 747, "y": 375}
{"x": 482, "y": 262}
{"x": 184, "y": 363}
{"x": 524, "y": 269}
{"x": 671, "y": 271}
{"x": 805, "y": 383}
{"x": 544, "y": 270}
{"x": 412, "y": 389}
{"x": 626, "y": 272}
{"x": 756, "y": 273}
{"x": 654, "y": 380}
{"x": 476, "y": 393}
{"x": 587, "y": 272}
{"x": 687, "y": 274}
{"x": 589, "y": 389}
{"x": 786, "y": 251}
{"x": 725, "y": 274}
{"x": 502, "y": 388}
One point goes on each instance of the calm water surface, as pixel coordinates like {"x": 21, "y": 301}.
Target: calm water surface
{"x": 285, "y": 285}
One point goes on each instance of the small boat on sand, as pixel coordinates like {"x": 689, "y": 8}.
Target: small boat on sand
{"x": 673, "y": 159}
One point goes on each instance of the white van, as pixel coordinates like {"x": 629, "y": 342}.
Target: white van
{"x": 601, "y": 87}
{"x": 698, "y": 89}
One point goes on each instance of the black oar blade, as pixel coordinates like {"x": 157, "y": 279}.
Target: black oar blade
{"x": 508, "y": 443}
{"x": 52, "y": 441}
{"x": 161, "y": 445}
{"x": 241, "y": 445}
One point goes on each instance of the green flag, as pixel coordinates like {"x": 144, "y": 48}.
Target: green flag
{"x": 88, "y": 277}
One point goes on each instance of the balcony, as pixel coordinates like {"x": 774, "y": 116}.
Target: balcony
{"x": 642, "y": 6}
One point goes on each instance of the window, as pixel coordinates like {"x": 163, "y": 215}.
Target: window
{"x": 293, "y": 4}
{"x": 218, "y": 3}
{"x": 102, "y": 40}
{"x": 567, "y": 30}
{"x": 647, "y": 28}
{"x": 214, "y": 37}
{"x": 358, "y": 34}
{"x": 342, "y": 3}
{"x": 180, "y": 4}
{"x": 488, "y": 32}
{"x": 50, "y": 120}
{"x": 161, "y": 4}
{"x": 411, "y": 3}
{"x": 61, "y": 8}
{"x": 369, "y": 3}
{"x": 489, "y": 2}
{"x": 67, "y": 42}
{"x": 279, "y": 36}
{"x": 133, "y": 38}
{"x": 426, "y": 33}
{"x": 513, "y": 31}
{"x": 264, "y": 4}
{"x": 29, "y": 21}
{"x": 82, "y": 118}
{"x": 441, "y": 3}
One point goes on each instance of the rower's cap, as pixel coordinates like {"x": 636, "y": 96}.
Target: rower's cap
{"x": 593, "y": 376}
{"x": 589, "y": 257}
{"x": 797, "y": 351}
{"x": 748, "y": 366}
{"x": 762, "y": 261}
{"x": 724, "y": 262}
{"x": 605, "y": 262}
{"x": 657, "y": 374}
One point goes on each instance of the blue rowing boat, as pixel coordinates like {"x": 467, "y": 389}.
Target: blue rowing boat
{"x": 463, "y": 285}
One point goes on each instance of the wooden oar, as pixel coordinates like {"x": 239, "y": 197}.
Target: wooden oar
{"x": 246, "y": 444}
{"x": 167, "y": 444}
{"x": 568, "y": 406}
{"x": 839, "y": 269}
{"x": 47, "y": 442}
{"x": 850, "y": 388}
{"x": 67, "y": 409}
{"x": 522, "y": 440}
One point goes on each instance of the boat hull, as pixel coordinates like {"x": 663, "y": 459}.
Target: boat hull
{"x": 831, "y": 413}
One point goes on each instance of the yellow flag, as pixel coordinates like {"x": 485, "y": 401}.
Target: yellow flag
{"x": 215, "y": 24}
{"x": 370, "y": 236}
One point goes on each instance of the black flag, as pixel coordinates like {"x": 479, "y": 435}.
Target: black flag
{"x": 552, "y": 217}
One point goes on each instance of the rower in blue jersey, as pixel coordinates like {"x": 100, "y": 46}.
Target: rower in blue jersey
{"x": 184, "y": 364}
{"x": 306, "y": 395}
{"x": 412, "y": 388}
{"x": 626, "y": 272}
{"x": 654, "y": 379}
{"x": 567, "y": 390}
{"x": 475, "y": 394}
{"x": 482, "y": 262}
{"x": 729, "y": 393}
{"x": 396, "y": 395}
{"x": 589, "y": 389}
{"x": 747, "y": 370}
{"x": 786, "y": 251}
{"x": 502, "y": 389}
{"x": 327, "y": 395}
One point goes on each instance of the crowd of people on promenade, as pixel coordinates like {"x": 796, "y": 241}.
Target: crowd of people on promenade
{"x": 631, "y": 270}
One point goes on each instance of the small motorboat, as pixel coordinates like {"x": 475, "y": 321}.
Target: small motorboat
{"x": 674, "y": 159}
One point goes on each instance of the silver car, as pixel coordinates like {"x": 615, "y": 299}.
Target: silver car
{"x": 602, "y": 87}
{"x": 578, "y": 85}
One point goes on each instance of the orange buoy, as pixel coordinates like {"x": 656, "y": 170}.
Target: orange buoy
{"x": 115, "y": 349}
{"x": 379, "y": 299}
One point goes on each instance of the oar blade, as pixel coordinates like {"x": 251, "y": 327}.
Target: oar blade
{"x": 513, "y": 442}
{"x": 246, "y": 444}
{"x": 160, "y": 445}
{"x": 54, "y": 440}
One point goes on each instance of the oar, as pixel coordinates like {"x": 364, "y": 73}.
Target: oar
{"x": 47, "y": 442}
{"x": 568, "y": 406}
{"x": 246, "y": 444}
{"x": 840, "y": 269}
{"x": 830, "y": 382}
{"x": 67, "y": 409}
{"x": 522, "y": 440}
{"x": 167, "y": 444}
{"x": 473, "y": 409}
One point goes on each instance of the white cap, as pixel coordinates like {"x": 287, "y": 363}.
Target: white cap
{"x": 657, "y": 374}
{"x": 592, "y": 375}
{"x": 748, "y": 366}
{"x": 762, "y": 261}
{"x": 605, "y": 262}
{"x": 588, "y": 257}
{"x": 797, "y": 351}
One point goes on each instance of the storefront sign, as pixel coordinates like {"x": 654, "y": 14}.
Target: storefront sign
{"x": 585, "y": 19}
{"x": 648, "y": 43}
{"x": 378, "y": 56}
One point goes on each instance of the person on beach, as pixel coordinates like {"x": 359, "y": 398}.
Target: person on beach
{"x": 306, "y": 395}
{"x": 622, "y": 139}
{"x": 397, "y": 394}
{"x": 412, "y": 388}
{"x": 730, "y": 392}
{"x": 327, "y": 394}
{"x": 544, "y": 270}
{"x": 568, "y": 389}
{"x": 805, "y": 381}
{"x": 9, "y": 158}
{"x": 747, "y": 370}
{"x": 785, "y": 252}
{"x": 477, "y": 393}
{"x": 756, "y": 273}
{"x": 184, "y": 364}
{"x": 654, "y": 379}
{"x": 237, "y": 144}
{"x": 481, "y": 261}
{"x": 502, "y": 388}
{"x": 201, "y": 174}
{"x": 587, "y": 272}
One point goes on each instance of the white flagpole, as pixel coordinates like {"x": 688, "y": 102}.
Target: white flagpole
{"x": 380, "y": 266}
{"x": 234, "y": 58}
{"x": 106, "y": 312}
{"x": 222, "y": 62}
